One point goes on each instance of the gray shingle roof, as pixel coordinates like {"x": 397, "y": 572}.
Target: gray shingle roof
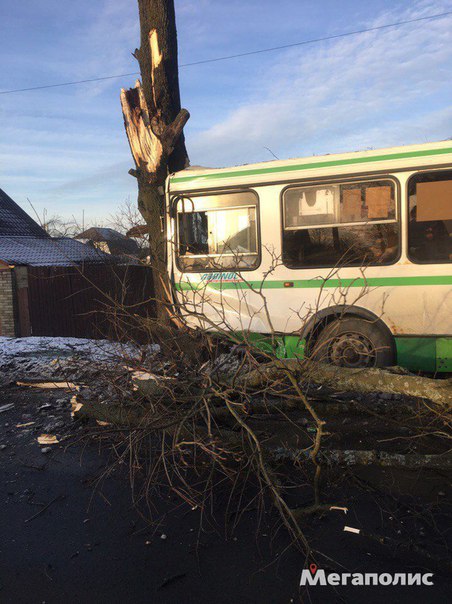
{"x": 101, "y": 234}
{"x": 24, "y": 242}
{"x": 40, "y": 251}
{"x": 118, "y": 243}
{"x": 15, "y": 222}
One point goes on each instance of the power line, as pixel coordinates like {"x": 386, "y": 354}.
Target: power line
{"x": 314, "y": 40}
{"x": 242, "y": 54}
{"x": 112, "y": 77}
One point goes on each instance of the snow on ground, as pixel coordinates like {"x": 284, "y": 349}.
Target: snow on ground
{"x": 97, "y": 350}
{"x": 56, "y": 358}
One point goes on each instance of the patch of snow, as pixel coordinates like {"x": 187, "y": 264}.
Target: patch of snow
{"x": 49, "y": 358}
{"x": 97, "y": 350}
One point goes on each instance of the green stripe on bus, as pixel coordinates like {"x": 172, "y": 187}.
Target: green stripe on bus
{"x": 312, "y": 165}
{"x": 320, "y": 283}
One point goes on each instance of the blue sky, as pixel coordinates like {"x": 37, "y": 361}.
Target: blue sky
{"x": 65, "y": 148}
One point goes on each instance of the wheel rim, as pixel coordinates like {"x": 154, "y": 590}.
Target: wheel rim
{"x": 352, "y": 350}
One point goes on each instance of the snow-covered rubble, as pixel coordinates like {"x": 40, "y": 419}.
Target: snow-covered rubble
{"x": 47, "y": 358}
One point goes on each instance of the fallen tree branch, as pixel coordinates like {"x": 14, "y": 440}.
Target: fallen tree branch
{"x": 350, "y": 380}
{"x": 352, "y": 457}
{"x": 46, "y": 507}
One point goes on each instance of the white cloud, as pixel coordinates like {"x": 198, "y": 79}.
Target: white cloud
{"x": 376, "y": 89}
{"x": 66, "y": 149}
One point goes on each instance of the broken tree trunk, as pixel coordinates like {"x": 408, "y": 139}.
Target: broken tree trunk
{"x": 154, "y": 122}
{"x": 342, "y": 379}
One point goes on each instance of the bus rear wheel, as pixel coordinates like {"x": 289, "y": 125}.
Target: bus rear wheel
{"x": 353, "y": 342}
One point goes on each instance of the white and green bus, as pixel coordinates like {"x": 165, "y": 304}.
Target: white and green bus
{"x": 348, "y": 254}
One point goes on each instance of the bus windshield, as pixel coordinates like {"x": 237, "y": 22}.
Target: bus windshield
{"x": 217, "y": 232}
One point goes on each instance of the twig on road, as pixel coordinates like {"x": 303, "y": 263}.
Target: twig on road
{"x": 46, "y": 507}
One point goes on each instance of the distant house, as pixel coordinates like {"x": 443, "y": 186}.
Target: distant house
{"x": 140, "y": 234}
{"x": 109, "y": 241}
{"x": 24, "y": 246}
{"x": 140, "y": 231}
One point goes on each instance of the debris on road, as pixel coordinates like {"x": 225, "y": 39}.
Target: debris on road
{"x": 46, "y": 507}
{"x": 48, "y": 439}
{"x": 172, "y": 579}
{"x": 75, "y": 406}
{"x": 340, "y": 509}
{"x": 351, "y": 529}
{"x": 49, "y": 385}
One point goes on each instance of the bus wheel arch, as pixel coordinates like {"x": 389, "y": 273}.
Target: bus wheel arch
{"x": 351, "y": 337}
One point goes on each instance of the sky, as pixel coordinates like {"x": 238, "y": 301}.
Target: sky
{"x": 65, "y": 149}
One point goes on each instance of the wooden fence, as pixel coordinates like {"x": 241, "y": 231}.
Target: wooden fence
{"x": 95, "y": 301}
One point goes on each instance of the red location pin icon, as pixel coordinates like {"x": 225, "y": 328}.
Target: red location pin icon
{"x": 313, "y": 568}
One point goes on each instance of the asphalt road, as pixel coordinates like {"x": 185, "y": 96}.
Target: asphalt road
{"x": 66, "y": 535}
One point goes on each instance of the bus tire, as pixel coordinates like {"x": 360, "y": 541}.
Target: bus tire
{"x": 354, "y": 342}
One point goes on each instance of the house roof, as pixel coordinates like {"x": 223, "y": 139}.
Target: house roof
{"x": 139, "y": 230}
{"x": 117, "y": 242}
{"x": 46, "y": 251}
{"x": 16, "y": 222}
{"x": 24, "y": 242}
{"x": 101, "y": 234}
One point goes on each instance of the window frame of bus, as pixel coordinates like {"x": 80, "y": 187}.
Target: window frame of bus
{"x": 408, "y": 210}
{"x": 346, "y": 180}
{"x": 188, "y": 196}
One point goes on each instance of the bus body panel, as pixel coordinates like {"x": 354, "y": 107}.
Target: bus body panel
{"x": 411, "y": 299}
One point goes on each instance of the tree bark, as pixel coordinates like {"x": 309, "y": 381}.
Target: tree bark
{"x": 154, "y": 122}
{"x": 342, "y": 379}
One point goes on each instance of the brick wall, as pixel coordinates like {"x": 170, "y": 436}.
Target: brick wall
{"x": 6, "y": 303}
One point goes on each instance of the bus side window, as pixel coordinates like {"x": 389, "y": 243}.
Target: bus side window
{"x": 350, "y": 224}
{"x": 430, "y": 217}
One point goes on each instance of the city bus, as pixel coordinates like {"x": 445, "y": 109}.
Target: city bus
{"x": 346, "y": 258}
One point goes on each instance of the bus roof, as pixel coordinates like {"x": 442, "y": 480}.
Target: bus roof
{"x": 393, "y": 158}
